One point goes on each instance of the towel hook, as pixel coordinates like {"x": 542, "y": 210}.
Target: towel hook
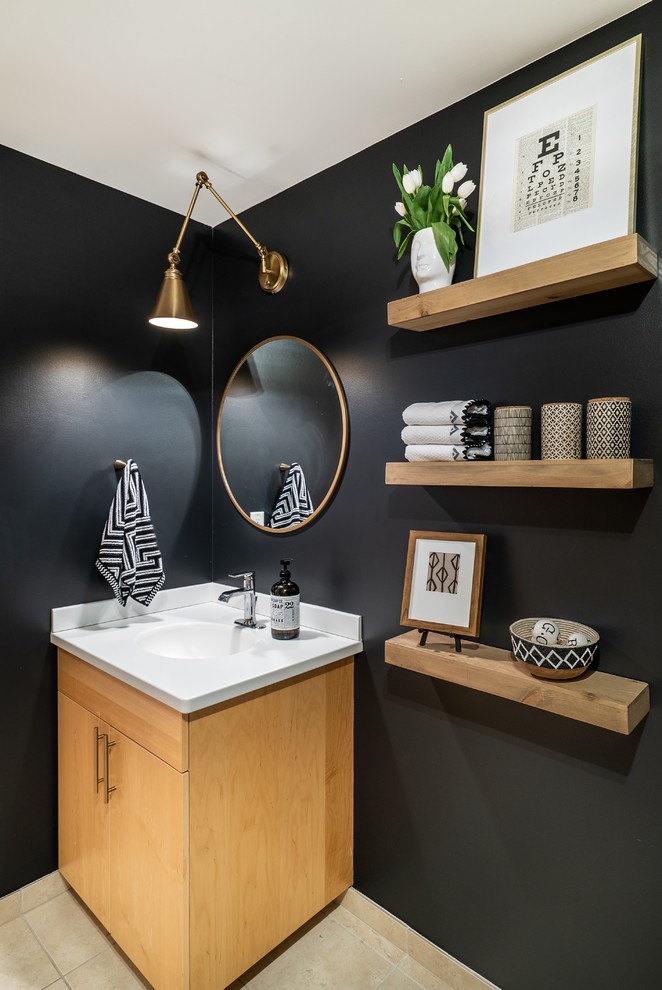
{"x": 119, "y": 465}
{"x": 284, "y": 467}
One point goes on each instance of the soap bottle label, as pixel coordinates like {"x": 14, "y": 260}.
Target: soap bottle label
{"x": 285, "y": 612}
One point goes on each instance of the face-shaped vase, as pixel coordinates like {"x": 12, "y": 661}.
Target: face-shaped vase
{"x": 426, "y": 264}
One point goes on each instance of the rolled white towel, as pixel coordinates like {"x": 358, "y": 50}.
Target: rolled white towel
{"x": 446, "y": 434}
{"x": 447, "y": 413}
{"x": 447, "y": 452}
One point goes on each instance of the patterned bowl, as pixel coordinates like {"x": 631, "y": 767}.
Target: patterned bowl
{"x": 558, "y": 662}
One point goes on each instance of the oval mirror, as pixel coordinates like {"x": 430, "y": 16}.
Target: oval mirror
{"x": 282, "y": 434}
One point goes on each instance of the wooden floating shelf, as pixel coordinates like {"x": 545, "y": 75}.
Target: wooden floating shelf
{"x": 606, "y": 700}
{"x": 608, "y": 265}
{"x": 623, "y": 473}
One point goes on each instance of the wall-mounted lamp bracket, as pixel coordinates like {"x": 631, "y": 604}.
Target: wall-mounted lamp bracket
{"x": 173, "y": 310}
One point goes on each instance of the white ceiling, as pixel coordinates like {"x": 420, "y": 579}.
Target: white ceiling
{"x": 141, "y": 94}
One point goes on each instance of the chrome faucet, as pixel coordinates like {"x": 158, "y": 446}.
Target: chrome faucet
{"x": 248, "y": 591}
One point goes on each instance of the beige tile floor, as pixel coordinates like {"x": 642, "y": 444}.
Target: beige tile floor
{"x": 49, "y": 940}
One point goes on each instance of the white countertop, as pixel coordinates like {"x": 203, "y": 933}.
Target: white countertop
{"x": 141, "y": 647}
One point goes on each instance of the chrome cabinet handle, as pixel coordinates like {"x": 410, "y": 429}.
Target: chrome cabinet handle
{"x": 107, "y": 789}
{"x": 102, "y": 737}
{"x": 98, "y": 736}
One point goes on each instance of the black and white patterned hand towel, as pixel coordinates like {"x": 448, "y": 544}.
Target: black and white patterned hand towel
{"x": 448, "y": 452}
{"x": 294, "y": 504}
{"x": 459, "y": 434}
{"x": 129, "y": 555}
{"x": 448, "y": 413}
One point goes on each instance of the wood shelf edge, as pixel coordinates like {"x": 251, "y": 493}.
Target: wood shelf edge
{"x": 617, "y": 473}
{"x": 595, "y": 268}
{"x": 608, "y": 701}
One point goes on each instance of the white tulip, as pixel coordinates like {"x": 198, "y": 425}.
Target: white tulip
{"x": 463, "y": 203}
{"x": 459, "y": 171}
{"x": 447, "y": 183}
{"x": 400, "y": 208}
{"x": 411, "y": 181}
{"x": 466, "y": 189}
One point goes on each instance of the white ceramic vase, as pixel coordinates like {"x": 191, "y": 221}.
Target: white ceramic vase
{"x": 427, "y": 267}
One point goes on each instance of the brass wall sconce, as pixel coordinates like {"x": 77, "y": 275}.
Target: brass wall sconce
{"x": 173, "y": 310}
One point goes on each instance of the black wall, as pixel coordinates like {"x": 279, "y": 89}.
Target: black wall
{"x": 84, "y": 380}
{"x": 525, "y": 844}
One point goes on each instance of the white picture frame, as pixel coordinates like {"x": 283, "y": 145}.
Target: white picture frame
{"x": 558, "y": 168}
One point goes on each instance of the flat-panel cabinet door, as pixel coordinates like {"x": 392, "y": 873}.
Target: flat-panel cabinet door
{"x": 271, "y": 818}
{"x": 82, "y": 811}
{"x": 149, "y": 857}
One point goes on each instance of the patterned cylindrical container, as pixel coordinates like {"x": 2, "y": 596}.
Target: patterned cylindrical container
{"x": 561, "y": 431}
{"x": 512, "y": 433}
{"x": 608, "y": 423}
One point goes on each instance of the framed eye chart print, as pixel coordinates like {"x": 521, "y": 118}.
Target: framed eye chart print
{"x": 444, "y": 582}
{"x": 558, "y": 168}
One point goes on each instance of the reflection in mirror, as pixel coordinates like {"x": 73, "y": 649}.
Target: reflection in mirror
{"x": 282, "y": 434}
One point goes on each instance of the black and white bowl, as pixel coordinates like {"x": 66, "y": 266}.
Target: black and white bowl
{"x": 557, "y": 662}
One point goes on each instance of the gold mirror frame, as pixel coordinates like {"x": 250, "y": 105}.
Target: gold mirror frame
{"x": 344, "y": 441}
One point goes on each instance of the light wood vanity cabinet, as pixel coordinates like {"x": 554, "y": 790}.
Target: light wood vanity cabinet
{"x": 83, "y": 826}
{"x": 222, "y": 831}
{"x": 124, "y": 857}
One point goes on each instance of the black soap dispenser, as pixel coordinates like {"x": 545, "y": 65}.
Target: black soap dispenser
{"x": 285, "y": 605}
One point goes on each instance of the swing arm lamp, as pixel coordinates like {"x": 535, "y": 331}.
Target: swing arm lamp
{"x": 173, "y": 310}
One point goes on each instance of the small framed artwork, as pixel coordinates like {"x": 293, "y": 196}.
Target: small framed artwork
{"x": 559, "y": 163}
{"x": 444, "y": 582}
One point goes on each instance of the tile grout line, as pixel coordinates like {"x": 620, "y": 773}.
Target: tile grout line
{"x": 396, "y": 967}
{"x": 75, "y": 969}
{"x": 369, "y": 919}
{"x": 463, "y": 973}
{"x": 61, "y": 975}
{"x": 367, "y": 944}
{"x": 24, "y": 916}
{"x": 414, "y": 982}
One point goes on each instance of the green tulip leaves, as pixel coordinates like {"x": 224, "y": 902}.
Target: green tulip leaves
{"x": 436, "y": 206}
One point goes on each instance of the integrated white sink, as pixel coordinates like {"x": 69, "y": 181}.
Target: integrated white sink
{"x": 187, "y": 651}
{"x": 197, "y": 641}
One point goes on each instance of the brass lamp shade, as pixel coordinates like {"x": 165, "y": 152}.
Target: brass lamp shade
{"x": 173, "y": 310}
